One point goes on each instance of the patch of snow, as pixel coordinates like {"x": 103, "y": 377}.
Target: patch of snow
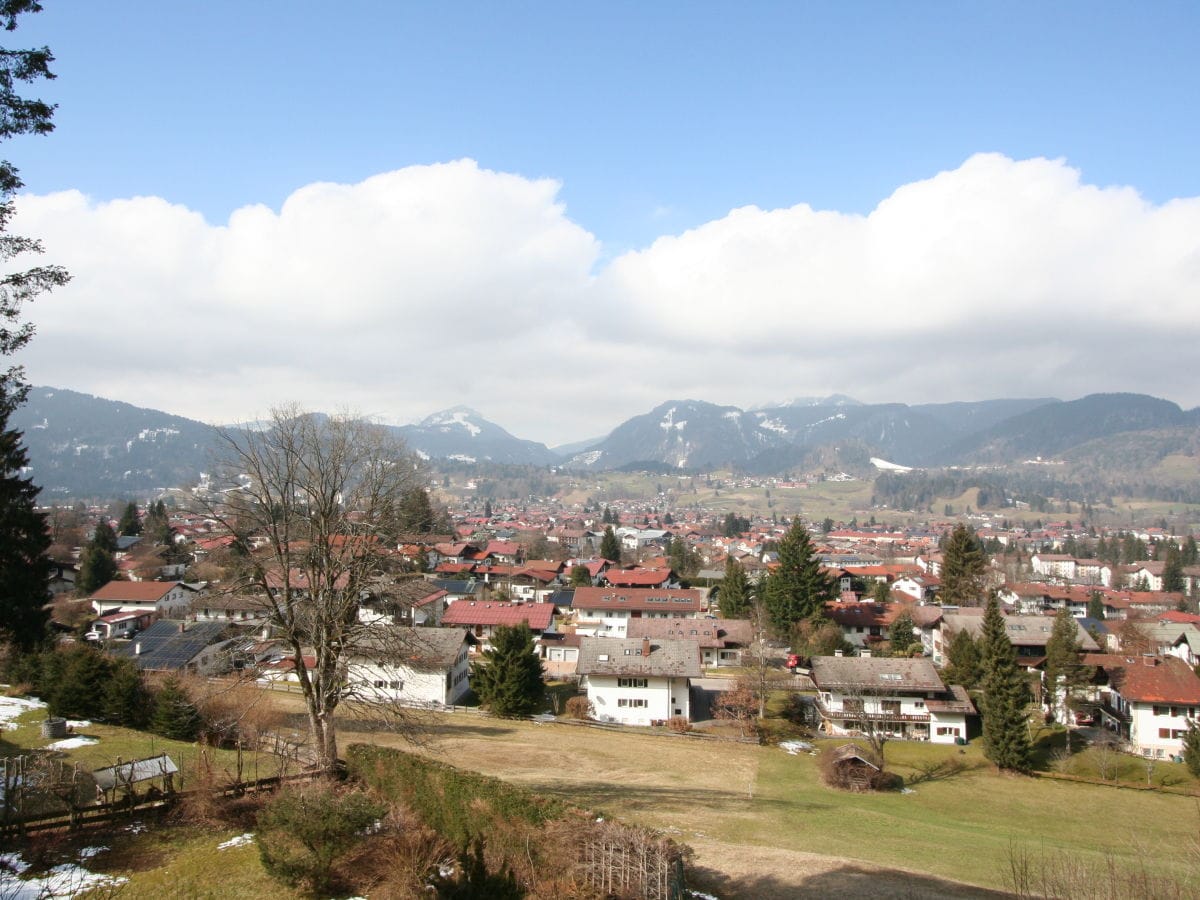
{"x": 66, "y": 880}
{"x": 240, "y": 841}
{"x": 72, "y": 743}
{"x": 668, "y": 421}
{"x": 907, "y": 791}
{"x": 78, "y": 723}
{"x": 889, "y": 466}
{"x": 461, "y": 457}
{"x": 794, "y": 747}
{"x": 456, "y": 417}
{"x": 587, "y": 459}
{"x": 12, "y": 707}
{"x": 422, "y": 455}
{"x": 771, "y": 424}
{"x": 732, "y": 414}
{"x": 700, "y": 895}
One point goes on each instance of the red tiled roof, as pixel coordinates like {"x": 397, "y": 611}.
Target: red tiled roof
{"x": 637, "y": 577}
{"x": 1159, "y": 679}
{"x": 135, "y": 590}
{"x": 476, "y": 612}
{"x": 674, "y": 600}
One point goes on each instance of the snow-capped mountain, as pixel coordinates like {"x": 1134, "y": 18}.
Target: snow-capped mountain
{"x": 462, "y": 434}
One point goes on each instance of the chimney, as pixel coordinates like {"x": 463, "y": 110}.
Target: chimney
{"x": 1149, "y": 659}
{"x": 645, "y": 646}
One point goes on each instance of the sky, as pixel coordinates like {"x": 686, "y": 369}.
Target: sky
{"x": 562, "y": 215}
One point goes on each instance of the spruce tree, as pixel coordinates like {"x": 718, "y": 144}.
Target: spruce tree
{"x": 734, "y": 595}
{"x": 1095, "y": 606}
{"x": 1005, "y": 696}
{"x": 24, "y": 542}
{"x": 1064, "y": 672}
{"x": 901, "y": 636}
{"x": 1191, "y": 748}
{"x": 104, "y": 537}
{"x": 79, "y": 689}
{"x": 798, "y": 587}
{"x": 508, "y": 678}
{"x": 96, "y": 569}
{"x": 610, "y": 546}
{"x": 131, "y": 520}
{"x": 1172, "y": 576}
{"x": 963, "y": 566}
{"x": 963, "y": 663}
{"x": 126, "y": 701}
{"x": 175, "y": 716}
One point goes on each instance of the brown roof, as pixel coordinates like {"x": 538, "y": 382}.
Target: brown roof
{"x": 476, "y": 612}
{"x": 705, "y": 631}
{"x": 135, "y": 591}
{"x": 679, "y": 600}
{"x": 620, "y": 656}
{"x": 1151, "y": 679}
{"x": 875, "y": 673}
{"x": 428, "y": 649}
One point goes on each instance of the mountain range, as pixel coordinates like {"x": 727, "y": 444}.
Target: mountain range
{"x": 80, "y": 445}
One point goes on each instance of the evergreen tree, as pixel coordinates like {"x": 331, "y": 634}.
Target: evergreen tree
{"x": 610, "y": 546}
{"x": 126, "y": 701}
{"x": 508, "y": 679}
{"x": 416, "y": 512}
{"x": 964, "y": 665}
{"x": 131, "y": 520}
{"x": 24, "y": 542}
{"x": 963, "y": 566}
{"x": 580, "y": 576}
{"x": 734, "y": 596}
{"x": 487, "y": 509}
{"x": 901, "y": 636}
{"x": 1064, "y": 672}
{"x": 104, "y": 537}
{"x": 1095, "y": 607}
{"x": 96, "y": 569}
{"x": 175, "y": 716}
{"x": 685, "y": 562}
{"x": 881, "y": 592}
{"x": 1005, "y": 696}
{"x": 1172, "y": 576}
{"x": 798, "y": 587}
{"x": 1189, "y": 551}
{"x": 1191, "y": 748}
{"x": 78, "y": 691}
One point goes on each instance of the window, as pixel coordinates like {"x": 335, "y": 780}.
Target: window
{"x": 919, "y": 704}
{"x": 1160, "y": 710}
{"x": 891, "y": 707}
{"x": 852, "y": 705}
{"x": 944, "y": 731}
{"x": 632, "y": 682}
{"x": 632, "y": 703}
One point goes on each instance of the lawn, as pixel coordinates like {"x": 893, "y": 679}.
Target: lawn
{"x": 735, "y": 802}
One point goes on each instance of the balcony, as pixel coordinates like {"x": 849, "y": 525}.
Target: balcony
{"x": 859, "y": 716}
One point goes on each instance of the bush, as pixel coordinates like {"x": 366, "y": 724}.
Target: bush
{"x": 580, "y": 707}
{"x": 303, "y": 832}
{"x": 679, "y": 724}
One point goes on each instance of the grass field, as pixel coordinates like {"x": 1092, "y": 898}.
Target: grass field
{"x": 743, "y": 806}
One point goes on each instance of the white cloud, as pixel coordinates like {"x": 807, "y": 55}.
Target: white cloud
{"x": 435, "y": 285}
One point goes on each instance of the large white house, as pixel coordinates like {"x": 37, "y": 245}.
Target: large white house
{"x": 411, "y": 666}
{"x": 166, "y": 599}
{"x": 1148, "y": 701}
{"x": 606, "y": 611}
{"x": 638, "y": 682}
{"x": 904, "y": 698}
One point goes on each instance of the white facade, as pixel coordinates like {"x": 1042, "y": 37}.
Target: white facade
{"x": 172, "y": 605}
{"x": 899, "y": 715}
{"x": 638, "y": 700}
{"x": 397, "y": 683}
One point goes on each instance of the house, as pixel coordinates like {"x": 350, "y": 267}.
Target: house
{"x": 607, "y": 611}
{"x": 176, "y": 646}
{"x": 721, "y": 641}
{"x": 482, "y": 618}
{"x": 119, "y": 625}
{"x": 905, "y": 698}
{"x": 1028, "y": 634}
{"x": 413, "y": 602}
{"x": 863, "y": 624}
{"x": 167, "y": 599}
{"x": 638, "y": 682}
{"x": 560, "y": 653}
{"x": 411, "y": 666}
{"x": 242, "y": 609}
{"x": 1148, "y": 701}
{"x": 641, "y": 578}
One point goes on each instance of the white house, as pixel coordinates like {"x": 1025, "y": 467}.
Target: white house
{"x": 1149, "y": 701}
{"x": 607, "y": 610}
{"x": 411, "y": 666}
{"x": 167, "y": 599}
{"x": 721, "y": 641}
{"x": 638, "y": 682}
{"x": 905, "y": 698}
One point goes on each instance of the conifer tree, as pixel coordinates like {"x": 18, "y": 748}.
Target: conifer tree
{"x": 175, "y": 716}
{"x": 1005, "y": 696}
{"x": 1172, "y": 576}
{"x": 1191, "y": 748}
{"x": 130, "y": 523}
{"x": 798, "y": 587}
{"x": 963, "y": 566}
{"x": 96, "y": 569}
{"x": 901, "y": 636}
{"x": 104, "y": 537}
{"x": 1064, "y": 672}
{"x": 508, "y": 678}
{"x": 79, "y": 688}
{"x": 610, "y": 546}
{"x": 963, "y": 663}
{"x": 1095, "y": 606}
{"x": 24, "y": 542}
{"x": 734, "y": 596}
{"x": 126, "y": 701}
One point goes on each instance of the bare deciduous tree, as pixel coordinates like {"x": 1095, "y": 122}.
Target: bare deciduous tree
{"x": 311, "y": 500}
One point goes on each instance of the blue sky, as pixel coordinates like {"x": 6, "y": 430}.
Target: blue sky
{"x": 649, "y": 119}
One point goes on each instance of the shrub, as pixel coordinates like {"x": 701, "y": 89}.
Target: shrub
{"x": 303, "y": 832}
{"x": 580, "y": 707}
{"x": 679, "y": 724}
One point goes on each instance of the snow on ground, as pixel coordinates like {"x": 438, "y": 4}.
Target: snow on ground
{"x": 72, "y": 743}
{"x": 78, "y": 723}
{"x": 889, "y": 466}
{"x": 66, "y": 880}
{"x": 240, "y": 841}
{"x": 794, "y": 747}
{"x": 11, "y": 707}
